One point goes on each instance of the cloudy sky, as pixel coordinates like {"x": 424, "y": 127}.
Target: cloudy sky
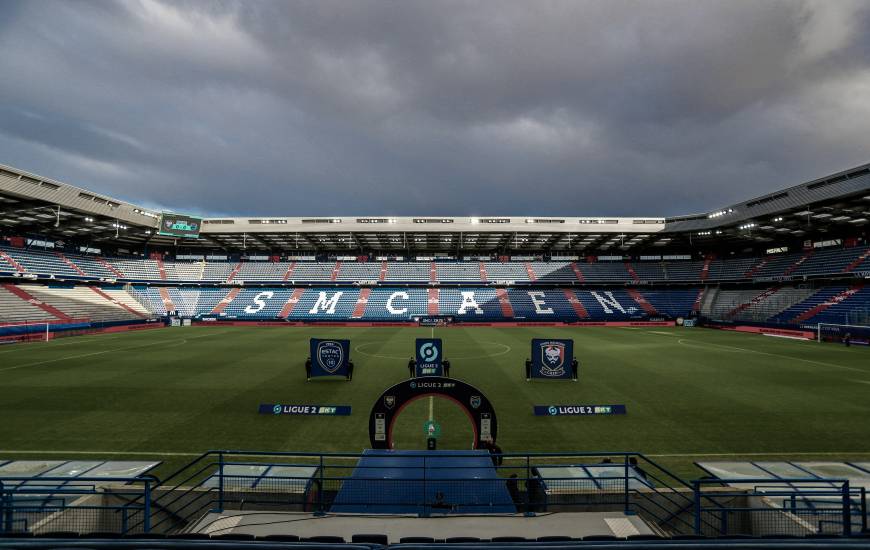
{"x": 435, "y": 107}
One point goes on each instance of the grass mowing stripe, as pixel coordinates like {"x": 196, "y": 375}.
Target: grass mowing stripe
{"x": 789, "y": 357}
{"x": 114, "y": 350}
{"x": 710, "y": 398}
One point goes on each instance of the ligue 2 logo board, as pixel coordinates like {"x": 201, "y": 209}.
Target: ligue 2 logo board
{"x": 429, "y": 353}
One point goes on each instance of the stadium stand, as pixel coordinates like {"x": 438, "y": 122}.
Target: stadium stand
{"x": 83, "y": 302}
{"x": 819, "y": 263}
{"x": 463, "y": 272}
{"x": 407, "y": 271}
{"x": 14, "y": 309}
{"x": 140, "y": 270}
{"x": 773, "y": 304}
{"x": 357, "y": 271}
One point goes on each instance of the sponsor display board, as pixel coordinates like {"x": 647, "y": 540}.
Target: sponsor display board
{"x": 429, "y": 354}
{"x": 551, "y": 358}
{"x": 578, "y": 410}
{"x": 304, "y": 410}
{"x": 329, "y": 357}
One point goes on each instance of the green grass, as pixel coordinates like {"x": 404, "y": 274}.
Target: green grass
{"x": 689, "y": 392}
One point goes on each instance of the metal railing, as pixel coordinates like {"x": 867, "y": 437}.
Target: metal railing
{"x": 795, "y": 506}
{"x": 84, "y": 504}
{"x": 427, "y": 486}
{"x": 218, "y": 480}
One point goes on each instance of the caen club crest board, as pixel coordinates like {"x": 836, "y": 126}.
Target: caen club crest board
{"x": 551, "y": 358}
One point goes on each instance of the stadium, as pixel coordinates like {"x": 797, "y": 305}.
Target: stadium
{"x": 438, "y": 275}
{"x": 195, "y": 331}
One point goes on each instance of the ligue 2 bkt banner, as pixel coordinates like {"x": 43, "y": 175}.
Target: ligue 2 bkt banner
{"x": 329, "y": 357}
{"x": 552, "y": 358}
{"x": 429, "y": 353}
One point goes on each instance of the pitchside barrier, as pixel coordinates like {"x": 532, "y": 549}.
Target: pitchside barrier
{"x": 434, "y": 483}
{"x": 857, "y": 334}
{"x": 41, "y": 331}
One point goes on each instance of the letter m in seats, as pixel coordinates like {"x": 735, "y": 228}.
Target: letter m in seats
{"x": 325, "y": 304}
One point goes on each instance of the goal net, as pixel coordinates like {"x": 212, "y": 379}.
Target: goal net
{"x": 43, "y": 331}
{"x": 832, "y": 332}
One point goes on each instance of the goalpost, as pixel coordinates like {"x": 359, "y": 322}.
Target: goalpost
{"x": 25, "y": 331}
{"x": 836, "y": 332}
{"x": 41, "y": 331}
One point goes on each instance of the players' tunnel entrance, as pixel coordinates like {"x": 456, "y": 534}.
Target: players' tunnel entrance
{"x": 435, "y": 416}
{"x": 394, "y": 400}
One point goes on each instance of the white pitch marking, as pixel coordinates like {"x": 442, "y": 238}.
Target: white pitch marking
{"x": 660, "y": 332}
{"x": 139, "y": 453}
{"x": 113, "y": 453}
{"x": 772, "y": 453}
{"x": 37, "y": 363}
{"x": 690, "y": 343}
{"x": 78, "y": 340}
{"x": 507, "y": 349}
{"x": 431, "y": 408}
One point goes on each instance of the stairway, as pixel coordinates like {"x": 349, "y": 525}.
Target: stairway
{"x": 289, "y": 272}
{"x": 222, "y": 305}
{"x": 110, "y": 267}
{"x": 642, "y": 302}
{"x": 793, "y": 267}
{"x": 30, "y": 299}
{"x": 360, "y": 308}
{"x": 11, "y": 261}
{"x": 236, "y": 269}
{"x": 73, "y": 266}
{"x": 531, "y": 272}
{"x": 756, "y": 268}
{"x": 117, "y": 303}
{"x": 507, "y": 310}
{"x": 168, "y": 304}
{"x": 705, "y": 269}
{"x": 845, "y": 295}
{"x": 432, "y": 302}
{"x": 854, "y": 265}
{"x": 291, "y": 303}
{"x": 577, "y": 273}
{"x": 576, "y": 304}
{"x": 767, "y": 293}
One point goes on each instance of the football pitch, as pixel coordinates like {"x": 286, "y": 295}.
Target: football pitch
{"x": 691, "y": 393}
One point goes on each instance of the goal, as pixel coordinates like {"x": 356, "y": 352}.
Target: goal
{"x": 832, "y": 332}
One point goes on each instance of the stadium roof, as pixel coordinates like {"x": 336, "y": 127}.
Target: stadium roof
{"x": 33, "y": 205}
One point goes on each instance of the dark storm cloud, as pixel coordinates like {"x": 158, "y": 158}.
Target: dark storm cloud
{"x": 334, "y": 107}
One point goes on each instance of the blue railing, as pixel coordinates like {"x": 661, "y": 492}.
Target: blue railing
{"x": 630, "y": 482}
{"x": 791, "y": 505}
{"x": 515, "y": 483}
{"x": 83, "y": 504}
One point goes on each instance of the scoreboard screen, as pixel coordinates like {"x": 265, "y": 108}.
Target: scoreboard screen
{"x": 179, "y": 225}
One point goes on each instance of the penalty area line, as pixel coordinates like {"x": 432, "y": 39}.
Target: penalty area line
{"x": 772, "y": 453}
{"x": 112, "y": 453}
